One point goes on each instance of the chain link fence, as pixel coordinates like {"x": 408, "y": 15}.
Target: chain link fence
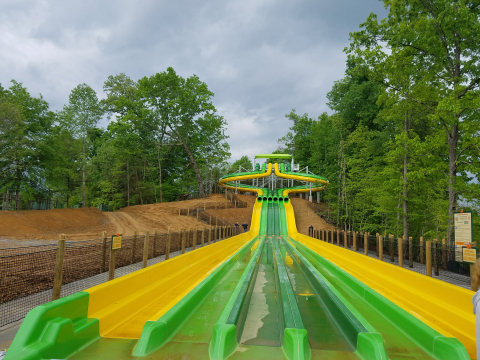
{"x": 27, "y": 273}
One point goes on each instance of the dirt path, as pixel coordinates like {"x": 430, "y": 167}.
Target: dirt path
{"x": 124, "y": 223}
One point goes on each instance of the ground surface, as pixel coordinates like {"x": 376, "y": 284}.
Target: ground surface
{"x": 89, "y": 223}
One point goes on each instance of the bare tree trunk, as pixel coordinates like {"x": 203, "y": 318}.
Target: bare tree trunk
{"x": 160, "y": 173}
{"x": 201, "y": 192}
{"x": 452, "y": 173}
{"x": 128, "y": 185}
{"x": 83, "y": 174}
{"x": 405, "y": 189}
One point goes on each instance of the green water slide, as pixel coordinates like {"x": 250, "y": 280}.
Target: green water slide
{"x": 276, "y": 298}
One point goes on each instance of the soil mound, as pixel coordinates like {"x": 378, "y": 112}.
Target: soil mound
{"x": 89, "y": 223}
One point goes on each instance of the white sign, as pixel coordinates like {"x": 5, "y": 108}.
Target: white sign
{"x": 463, "y": 228}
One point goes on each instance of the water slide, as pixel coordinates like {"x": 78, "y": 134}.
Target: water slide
{"x": 269, "y": 293}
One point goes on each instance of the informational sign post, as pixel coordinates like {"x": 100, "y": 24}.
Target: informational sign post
{"x": 463, "y": 228}
{"x": 116, "y": 243}
{"x": 469, "y": 255}
{"x": 464, "y": 237}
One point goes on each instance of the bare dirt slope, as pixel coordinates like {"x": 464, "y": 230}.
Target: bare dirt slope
{"x": 305, "y": 216}
{"x": 89, "y": 223}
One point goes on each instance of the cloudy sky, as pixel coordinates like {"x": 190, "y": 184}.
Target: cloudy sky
{"x": 261, "y": 58}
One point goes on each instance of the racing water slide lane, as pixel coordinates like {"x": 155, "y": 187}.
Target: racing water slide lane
{"x": 415, "y": 304}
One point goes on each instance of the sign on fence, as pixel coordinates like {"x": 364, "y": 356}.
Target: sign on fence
{"x": 463, "y": 228}
{"x": 469, "y": 255}
{"x": 116, "y": 243}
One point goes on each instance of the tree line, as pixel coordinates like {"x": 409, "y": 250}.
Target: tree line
{"x": 164, "y": 141}
{"x": 401, "y": 149}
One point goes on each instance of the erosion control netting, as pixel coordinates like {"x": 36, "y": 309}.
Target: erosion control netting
{"x": 414, "y": 253}
{"x": 26, "y": 274}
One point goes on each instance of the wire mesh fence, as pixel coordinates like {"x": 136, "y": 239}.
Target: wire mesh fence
{"x": 27, "y": 273}
{"x": 410, "y": 254}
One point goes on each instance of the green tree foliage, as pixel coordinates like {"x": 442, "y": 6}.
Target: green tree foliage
{"x": 79, "y": 116}
{"x": 25, "y": 125}
{"x": 427, "y": 52}
{"x": 403, "y": 142}
{"x": 242, "y": 164}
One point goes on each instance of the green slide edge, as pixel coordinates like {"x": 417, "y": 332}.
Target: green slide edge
{"x": 155, "y": 334}
{"x": 434, "y": 343}
{"x": 295, "y": 343}
{"x": 225, "y": 331}
{"x": 55, "y": 330}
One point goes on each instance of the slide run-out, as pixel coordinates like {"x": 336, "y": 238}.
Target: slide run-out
{"x": 269, "y": 293}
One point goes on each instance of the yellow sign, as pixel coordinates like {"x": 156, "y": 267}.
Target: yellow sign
{"x": 116, "y": 242}
{"x": 469, "y": 255}
{"x": 463, "y": 228}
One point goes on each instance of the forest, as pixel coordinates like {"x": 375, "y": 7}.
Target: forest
{"x": 164, "y": 140}
{"x": 400, "y": 146}
{"x": 401, "y": 149}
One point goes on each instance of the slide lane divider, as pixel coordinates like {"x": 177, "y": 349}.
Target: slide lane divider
{"x": 362, "y": 336}
{"x": 155, "y": 334}
{"x": 434, "y": 343}
{"x": 295, "y": 344}
{"x": 228, "y": 329}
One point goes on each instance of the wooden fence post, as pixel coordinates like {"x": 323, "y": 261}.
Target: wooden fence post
{"x": 111, "y": 264}
{"x": 134, "y": 246}
{"x": 376, "y": 242}
{"x": 104, "y": 251}
{"x": 209, "y": 235}
{"x": 183, "y": 240}
{"x": 390, "y": 247}
{"x": 345, "y": 239}
{"x": 155, "y": 243}
{"x": 146, "y": 244}
{"x": 410, "y": 252}
{"x": 197, "y": 212}
{"x": 365, "y": 243}
{"x": 194, "y": 244}
{"x": 444, "y": 254}
{"x": 400, "y": 252}
{"x": 188, "y": 211}
{"x": 203, "y": 236}
{"x": 167, "y": 250}
{"x": 428, "y": 261}
{"x": 435, "y": 257}
{"x": 355, "y": 241}
{"x": 215, "y": 234}
{"x": 473, "y": 277}
{"x": 421, "y": 250}
{"x": 380, "y": 247}
{"x": 210, "y": 223}
{"x": 58, "y": 277}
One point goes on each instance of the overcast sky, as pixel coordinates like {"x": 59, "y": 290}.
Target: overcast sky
{"x": 260, "y": 58}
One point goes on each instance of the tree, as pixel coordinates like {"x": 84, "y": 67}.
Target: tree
{"x": 25, "y": 123}
{"x": 82, "y": 113}
{"x": 427, "y": 51}
{"x": 181, "y": 110}
{"x": 244, "y": 162}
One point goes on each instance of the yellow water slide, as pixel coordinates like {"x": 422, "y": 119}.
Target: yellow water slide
{"x": 444, "y": 307}
{"x": 124, "y": 306}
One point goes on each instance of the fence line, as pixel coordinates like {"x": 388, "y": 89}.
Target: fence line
{"x": 432, "y": 258}
{"x": 27, "y": 274}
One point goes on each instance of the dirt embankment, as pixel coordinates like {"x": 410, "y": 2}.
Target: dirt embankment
{"x": 89, "y": 223}
{"x": 305, "y": 216}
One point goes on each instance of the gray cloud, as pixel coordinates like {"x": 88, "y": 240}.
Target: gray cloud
{"x": 260, "y": 58}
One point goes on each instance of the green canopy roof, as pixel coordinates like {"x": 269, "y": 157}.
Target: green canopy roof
{"x": 273, "y": 156}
